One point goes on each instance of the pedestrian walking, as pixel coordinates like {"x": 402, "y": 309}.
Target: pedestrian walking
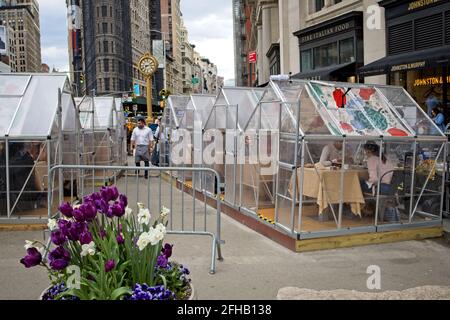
{"x": 142, "y": 143}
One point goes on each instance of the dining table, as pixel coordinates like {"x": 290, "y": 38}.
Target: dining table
{"x": 324, "y": 185}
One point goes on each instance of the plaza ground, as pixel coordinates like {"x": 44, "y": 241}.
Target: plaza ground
{"x": 256, "y": 268}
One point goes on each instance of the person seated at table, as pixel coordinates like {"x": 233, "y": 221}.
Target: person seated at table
{"x": 332, "y": 154}
{"x": 377, "y": 169}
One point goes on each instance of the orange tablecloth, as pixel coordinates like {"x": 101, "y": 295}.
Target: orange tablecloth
{"x": 324, "y": 185}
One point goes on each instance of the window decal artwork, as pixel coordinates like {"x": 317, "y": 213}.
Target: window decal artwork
{"x": 357, "y": 111}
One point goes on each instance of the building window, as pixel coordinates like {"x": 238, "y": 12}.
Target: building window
{"x": 107, "y": 87}
{"x": 319, "y": 4}
{"x": 326, "y": 55}
{"x": 106, "y": 65}
{"x": 105, "y": 46}
{"x": 306, "y": 60}
{"x": 104, "y": 11}
{"x": 347, "y": 50}
{"x": 105, "y": 27}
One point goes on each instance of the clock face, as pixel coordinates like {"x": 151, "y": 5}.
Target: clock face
{"x": 148, "y": 65}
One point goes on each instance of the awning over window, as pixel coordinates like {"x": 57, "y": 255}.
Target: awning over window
{"x": 325, "y": 73}
{"x": 407, "y": 61}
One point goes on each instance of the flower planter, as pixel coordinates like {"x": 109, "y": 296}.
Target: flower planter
{"x": 192, "y": 297}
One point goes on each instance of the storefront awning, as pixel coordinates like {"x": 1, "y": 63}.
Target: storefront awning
{"x": 325, "y": 73}
{"x": 407, "y": 61}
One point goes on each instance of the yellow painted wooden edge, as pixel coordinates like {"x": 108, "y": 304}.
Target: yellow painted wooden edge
{"x": 368, "y": 239}
{"x": 22, "y": 227}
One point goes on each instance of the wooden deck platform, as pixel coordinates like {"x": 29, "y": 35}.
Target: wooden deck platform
{"x": 263, "y": 223}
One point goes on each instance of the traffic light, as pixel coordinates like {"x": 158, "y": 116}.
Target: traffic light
{"x": 164, "y": 94}
{"x": 82, "y": 78}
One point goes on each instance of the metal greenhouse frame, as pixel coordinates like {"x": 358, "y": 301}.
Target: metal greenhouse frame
{"x": 39, "y": 130}
{"x": 305, "y": 198}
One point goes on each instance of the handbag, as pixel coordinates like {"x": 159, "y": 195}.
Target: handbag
{"x": 391, "y": 215}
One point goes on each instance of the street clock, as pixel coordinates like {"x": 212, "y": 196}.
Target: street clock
{"x": 148, "y": 65}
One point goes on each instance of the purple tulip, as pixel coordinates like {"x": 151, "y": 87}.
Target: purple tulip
{"x": 32, "y": 259}
{"x": 107, "y": 194}
{"x": 92, "y": 197}
{"x": 89, "y": 211}
{"x": 167, "y": 250}
{"x": 102, "y": 206}
{"x": 86, "y": 238}
{"x": 118, "y": 210}
{"x": 59, "y": 258}
{"x": 58, "y": 237}
{"x": 78, "y": 215}
{"x": 109, "y": 265}
{"x": 162, "y": 261}
{"x": 64, "y": 226}
{"x": 103, "y": 234}
{"x": 76, "y": 229}
{"x": 114, "y": 193}
{"x": 66, "y": 209}
{"x": 123, "y": 200}
{"x": 120, "y": 239}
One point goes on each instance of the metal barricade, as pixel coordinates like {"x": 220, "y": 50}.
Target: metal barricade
{"x": 190, "y": 213}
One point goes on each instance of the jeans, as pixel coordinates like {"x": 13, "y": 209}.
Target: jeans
{"x": 147, "y": 164}
{"x": 385, "y": 189}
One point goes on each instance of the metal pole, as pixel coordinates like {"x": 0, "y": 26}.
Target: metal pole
{"x": 49, "y": 179}
{"x": 377, "y": 206}
{"x": 8, "y": 187}
{"x": 302, "y": 178}
{"x": 413, "y": 186}
{"x": 149, "y": 99}
{"x": 61, "y": 148}
{"x": 341, "y": 200}
{"x": 444, "y": 176}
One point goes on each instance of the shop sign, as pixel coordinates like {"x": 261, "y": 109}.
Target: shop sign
{"x": 408, "y": 66}
{"x": 421, "y": 3}
{"x": 327, "y": 32}
{"x": 252, "y": 57}
{"x": 430, "y": 81}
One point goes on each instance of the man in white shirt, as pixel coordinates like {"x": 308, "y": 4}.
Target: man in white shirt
{"x": 332, "y": 154}
{"x": 142, "y": 141}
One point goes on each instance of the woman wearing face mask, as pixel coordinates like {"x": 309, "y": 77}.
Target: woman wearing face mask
{"x": 377, "y": 169}
{"x": 439, "y": 119}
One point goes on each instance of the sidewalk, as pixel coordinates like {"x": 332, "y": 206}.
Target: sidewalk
{"x": 254, "y": 266}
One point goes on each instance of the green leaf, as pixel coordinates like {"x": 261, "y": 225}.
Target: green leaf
{"x": 120, "y": 292}
{"x": 164, "y": 280}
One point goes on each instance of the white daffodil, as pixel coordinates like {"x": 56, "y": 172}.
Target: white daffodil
{"x": 144, "y": 217}
{"x": 29, "y": 244}
{"x": 41, "y": 250}
{"x": 52, "y": 224}
{"x": 164, "y": 212}
{"x": 88, "y": 249}
{"x": 128, "y": 213}
{"x": 157, "y": 234}
{"x": 143, "y": 241}
{"x": 140, "y": 205}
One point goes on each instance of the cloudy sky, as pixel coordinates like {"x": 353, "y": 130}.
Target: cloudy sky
{"x": 209, "y": 23}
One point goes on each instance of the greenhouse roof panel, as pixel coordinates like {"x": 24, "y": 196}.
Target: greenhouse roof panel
{"x": 357, "y": 110}
{"x": 177, "y": 106}
{"x": 26, "y": 98}
{"x": 13, "y": 84}
{"x": 105, "y": 108}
